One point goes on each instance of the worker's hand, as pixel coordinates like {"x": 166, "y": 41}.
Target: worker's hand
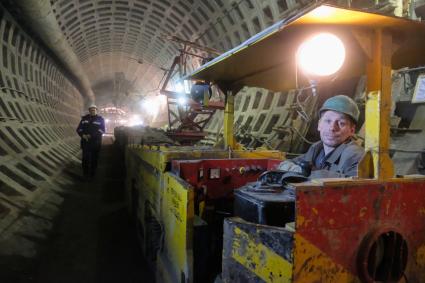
{"x": 289, "y": 166}
{"x": 86, "y": 137}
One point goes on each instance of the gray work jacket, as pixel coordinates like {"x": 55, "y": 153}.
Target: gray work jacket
{"x": 342, "y": 161}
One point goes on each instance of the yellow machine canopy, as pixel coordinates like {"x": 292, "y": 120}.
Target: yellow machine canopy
{"x": 268, "y": 59}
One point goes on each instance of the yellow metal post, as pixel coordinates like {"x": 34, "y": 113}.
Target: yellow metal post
{"x": 378, "y": 105}
{"x": 229, "y": 140}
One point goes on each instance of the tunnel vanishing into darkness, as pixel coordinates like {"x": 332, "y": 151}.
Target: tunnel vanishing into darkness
{"x": 58, "y": 56}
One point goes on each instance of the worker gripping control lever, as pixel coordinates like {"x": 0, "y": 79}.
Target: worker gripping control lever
{"x": 336, "y": 154}
{"x": 91, "y": 129}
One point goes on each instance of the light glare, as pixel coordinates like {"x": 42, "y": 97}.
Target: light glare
{"x": 179, "y": 87}
{"x": 153, "y": 104}
{"x": 135, "y": 120}
{"x": 322, "y": 12}
{"x": 182, "y": 100}
{"x": 321, "y": 55}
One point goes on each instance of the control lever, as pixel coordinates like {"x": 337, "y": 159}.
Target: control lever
{"x": 271, "y": 177}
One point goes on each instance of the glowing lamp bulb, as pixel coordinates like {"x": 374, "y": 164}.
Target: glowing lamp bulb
{"x": 321, "y": 55}
{"x": 182, "y": 100}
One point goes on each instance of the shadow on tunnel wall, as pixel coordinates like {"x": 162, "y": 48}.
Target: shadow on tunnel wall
{"x": 39, "y": 110}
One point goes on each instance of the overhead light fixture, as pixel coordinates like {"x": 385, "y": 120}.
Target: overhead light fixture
{"x": 321, "y": 55}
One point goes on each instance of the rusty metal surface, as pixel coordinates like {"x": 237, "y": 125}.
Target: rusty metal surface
{"x": 165, "y": 193}
{"x": 256, "y": 253}
{"x": 346, "y": 231}
{"x": 336, "y": 223}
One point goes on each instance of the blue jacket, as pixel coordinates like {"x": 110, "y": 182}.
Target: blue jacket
{"x": 93, "y": 126}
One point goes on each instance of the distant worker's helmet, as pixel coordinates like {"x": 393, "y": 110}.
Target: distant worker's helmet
{"x": 343, "y": 104}
{"x": 92, "y": 106}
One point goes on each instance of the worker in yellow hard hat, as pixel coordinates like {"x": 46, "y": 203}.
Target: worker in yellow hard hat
{"x": 336, "y": 154}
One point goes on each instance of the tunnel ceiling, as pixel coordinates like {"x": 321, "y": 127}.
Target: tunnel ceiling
{"x": 121, "y": 43}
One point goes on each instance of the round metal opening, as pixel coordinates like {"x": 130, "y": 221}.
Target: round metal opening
{"x": 384, "y": 257}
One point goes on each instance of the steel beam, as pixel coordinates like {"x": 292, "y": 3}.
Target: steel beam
{"x": 229, "y": 116}
{"x": 378, "y": 107}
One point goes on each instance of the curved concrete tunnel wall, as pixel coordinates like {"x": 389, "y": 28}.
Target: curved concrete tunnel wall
{"x": 112, "y": 36}
{"x": 39, "y": 111}
{"x": 39, "y": 15}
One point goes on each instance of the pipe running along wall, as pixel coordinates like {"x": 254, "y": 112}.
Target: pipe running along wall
{"x": 40, "y": 16}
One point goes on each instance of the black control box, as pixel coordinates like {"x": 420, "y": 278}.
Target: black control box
{"x": 265, "y": 204}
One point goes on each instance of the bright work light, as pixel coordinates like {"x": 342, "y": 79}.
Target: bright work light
{"x": 182, "y": 100}
{"x": 153, "y": 104}
{"x": 321, "y": 55}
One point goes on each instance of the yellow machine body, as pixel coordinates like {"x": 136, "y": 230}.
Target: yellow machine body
{"x": 162, "y": 204}
{"x": 341, "y": 227}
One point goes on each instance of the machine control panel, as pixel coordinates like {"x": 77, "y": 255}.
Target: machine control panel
{"x": 219, "y": 177}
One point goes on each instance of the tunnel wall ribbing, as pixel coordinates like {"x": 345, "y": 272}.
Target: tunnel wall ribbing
{"x": 39, "y": 111}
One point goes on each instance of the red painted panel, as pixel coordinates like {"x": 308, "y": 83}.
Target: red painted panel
{"x": 336, "y": 219}
{"x": 233, "y": 173}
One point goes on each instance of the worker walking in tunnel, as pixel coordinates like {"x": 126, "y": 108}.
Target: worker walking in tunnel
{"x": 336, "y": 154}
{"x": 90, "y": 129}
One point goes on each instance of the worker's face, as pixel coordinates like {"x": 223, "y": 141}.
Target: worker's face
{"x": 335, "y": 128}
{"x": 92, "y": 111}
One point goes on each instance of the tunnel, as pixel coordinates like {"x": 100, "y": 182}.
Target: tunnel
{"x": 58, "y": 57}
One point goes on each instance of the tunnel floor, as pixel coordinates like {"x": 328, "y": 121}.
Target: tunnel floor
{"x": 92, "y": 239}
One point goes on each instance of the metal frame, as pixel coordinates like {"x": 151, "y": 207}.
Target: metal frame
{"x": 184, "y": 124}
